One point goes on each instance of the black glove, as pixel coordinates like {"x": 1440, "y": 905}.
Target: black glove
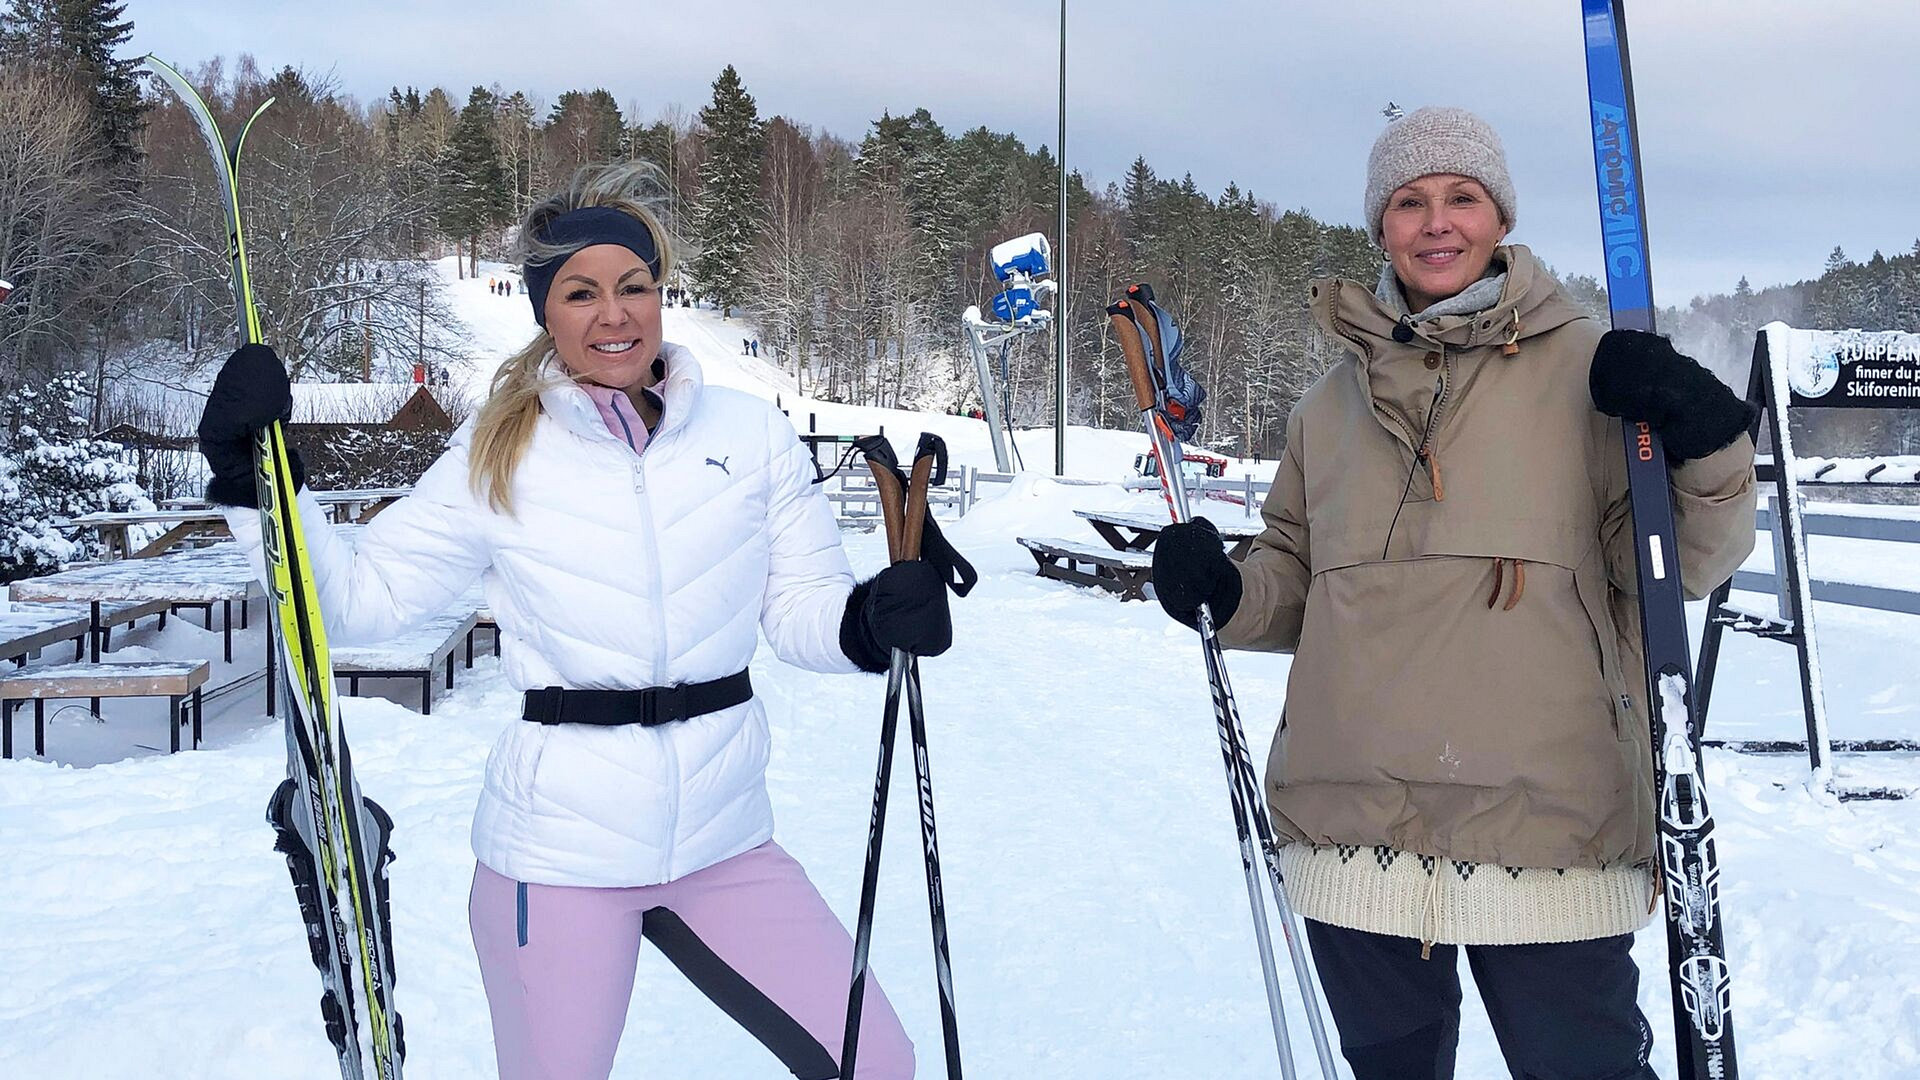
{"x": 901, "y": 607}
{"x": 249, "y": 394}
{"x": 1639, "y": 376}
{"x": 1191, "y": 568}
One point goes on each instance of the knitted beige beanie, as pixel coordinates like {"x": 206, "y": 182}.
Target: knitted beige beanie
{"x": 1437, "y": 139}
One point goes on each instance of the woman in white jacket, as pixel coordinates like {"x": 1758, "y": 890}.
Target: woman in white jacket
{"x": 633, "y": 530}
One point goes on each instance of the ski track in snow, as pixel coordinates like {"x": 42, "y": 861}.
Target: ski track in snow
{"x": 1098, "y": 916}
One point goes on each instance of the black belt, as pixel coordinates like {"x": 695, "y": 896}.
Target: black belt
{"x": 650, "y": 707}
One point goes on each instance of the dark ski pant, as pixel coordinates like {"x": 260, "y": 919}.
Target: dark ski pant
{"x": 1564, "y": 1011}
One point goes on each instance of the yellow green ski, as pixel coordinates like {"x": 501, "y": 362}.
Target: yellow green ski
{"x": 335, "y": 841}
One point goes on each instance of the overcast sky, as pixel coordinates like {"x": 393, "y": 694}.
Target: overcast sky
{"x": 1771, "y": 129}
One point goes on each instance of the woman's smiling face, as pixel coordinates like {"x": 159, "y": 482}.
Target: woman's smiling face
{"x": 603, "y": 313}
{"x": 1440, "y": 231}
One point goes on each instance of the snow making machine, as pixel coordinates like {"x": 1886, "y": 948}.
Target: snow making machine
{"x": 1023, "y": 267}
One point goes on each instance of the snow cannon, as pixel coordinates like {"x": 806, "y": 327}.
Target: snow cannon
{"x": 1026, "y": 256}
{"x": 1022, "y": 264}
{"x": 1014, "y": 304}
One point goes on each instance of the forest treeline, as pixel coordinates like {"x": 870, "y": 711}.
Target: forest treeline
{"x": 850, "y": 260}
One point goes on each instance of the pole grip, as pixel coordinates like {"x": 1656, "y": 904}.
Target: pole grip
{"x": 892, "y": 508}
{"x": 916, "y": 507}
{"x": 1127, "y": 333}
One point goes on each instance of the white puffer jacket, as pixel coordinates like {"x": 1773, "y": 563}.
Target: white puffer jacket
{"x": 617, "y": 571}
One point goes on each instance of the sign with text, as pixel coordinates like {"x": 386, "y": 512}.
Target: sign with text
{"x": 1858, "y": 369}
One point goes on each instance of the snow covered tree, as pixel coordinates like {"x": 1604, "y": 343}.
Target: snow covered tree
{"x": 50, "y": 471}
{"x": 726, "y": 214}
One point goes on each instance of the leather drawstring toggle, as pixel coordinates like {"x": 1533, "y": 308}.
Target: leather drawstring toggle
{"x": 1512, "y": 346}
{"x": 1519, "y": 584}
{"x": 1432, "y": 458}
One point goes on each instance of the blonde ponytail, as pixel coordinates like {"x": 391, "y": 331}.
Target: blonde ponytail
{"x": 504, "y": 429}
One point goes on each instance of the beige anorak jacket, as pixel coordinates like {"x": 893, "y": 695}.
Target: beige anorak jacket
{"x": 1468, "y": 681}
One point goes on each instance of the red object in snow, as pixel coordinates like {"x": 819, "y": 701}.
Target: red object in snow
{"x": 420, "y": 374}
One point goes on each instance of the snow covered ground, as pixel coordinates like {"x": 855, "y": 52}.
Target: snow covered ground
{"x": 1098, "y": 918}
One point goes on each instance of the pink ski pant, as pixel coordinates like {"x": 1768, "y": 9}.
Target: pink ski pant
{"x": 752, "y": 933}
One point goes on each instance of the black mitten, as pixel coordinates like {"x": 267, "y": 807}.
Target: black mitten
{"x": 249, "y": 394}
{"x": 1640, "y": 376}
{"x": 901, "y": 607}
{"x": 1191, "y": 568}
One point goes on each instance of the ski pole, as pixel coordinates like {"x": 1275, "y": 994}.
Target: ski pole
{"x": 904, "y": 514}
{"x": 1134, "y": 322}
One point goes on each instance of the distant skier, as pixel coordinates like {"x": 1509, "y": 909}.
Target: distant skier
{"x": 631, "y": 580}
{"x": 1464, "y": 757}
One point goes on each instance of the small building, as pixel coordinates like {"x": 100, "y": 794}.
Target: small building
{"x": 393, "y": 406}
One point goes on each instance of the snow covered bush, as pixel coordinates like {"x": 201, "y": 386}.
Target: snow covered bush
{"x": 51, "y": 471}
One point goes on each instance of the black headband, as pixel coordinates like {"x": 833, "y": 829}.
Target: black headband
{"x": 586, "y": 227}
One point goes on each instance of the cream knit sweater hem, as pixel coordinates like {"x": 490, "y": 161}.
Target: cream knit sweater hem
{"x": 1440, "y": 901}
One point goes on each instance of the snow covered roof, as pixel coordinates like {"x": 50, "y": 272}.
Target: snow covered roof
{"x": 351, "y": 403}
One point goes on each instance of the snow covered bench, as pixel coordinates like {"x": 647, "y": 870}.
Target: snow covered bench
{"x": 417, "y": 654}
{"x": 1125, "y": 572}
{"x": 175, "y": 680}
{"x": 28, "y": 628}
{"x": 31, "y": 626}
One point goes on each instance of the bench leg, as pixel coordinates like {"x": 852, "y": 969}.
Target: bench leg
{"x": 40, "y": 727}
{"x": 199, "y": 713}
{"x": 6, "y": 729}
{"x": 79, "y": 652}
{"x": 496, "y": 643}
{"x": 93, "y": 704}
{"x": 163, "y": 620}
{"x": 173, "y": 724}
{"x": 95, "y": 635}
{"x": 353, "y": 686}
{"x": 470, "y": 634}
{"x": 426, "y": 695}
{"x": 226, "y": 624}
{"x": 244, "y": 605}
{"x": 449, "y": 671}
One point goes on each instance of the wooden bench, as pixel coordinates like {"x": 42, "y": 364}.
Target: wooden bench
{"x": 29, "y": 628}
{"x": 417, "y": 654}
{"x": 1125, "y": 572}
{"x": 174, "y": 680}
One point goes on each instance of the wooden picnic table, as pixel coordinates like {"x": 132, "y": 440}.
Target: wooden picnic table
{"x": 186, "y": 522}
{"x": 198, "y": 577}
{"x": 1132, "y": 531}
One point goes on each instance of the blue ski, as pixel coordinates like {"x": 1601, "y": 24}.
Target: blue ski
{"x": 1689, "y": 861}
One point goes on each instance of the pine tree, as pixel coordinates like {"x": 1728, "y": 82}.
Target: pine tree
{"x": 1139, "y": 196}
{"x": 474, "y": 196}
{"x": 77, "y": 38}
{"x": 583, "y": 128}
{"x": 726, "y": 213}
